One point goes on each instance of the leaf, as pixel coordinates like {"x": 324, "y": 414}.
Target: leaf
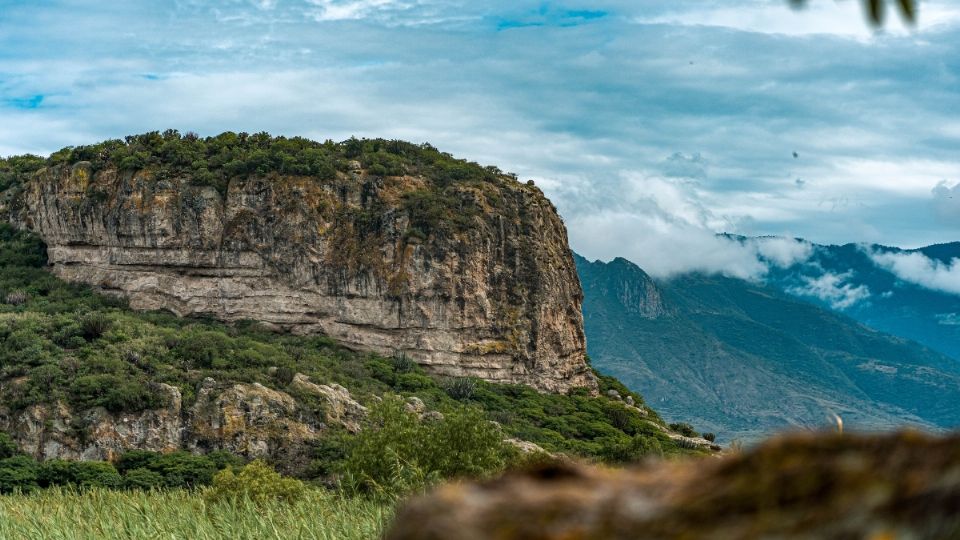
{"x": 876, "y": 11}
{"x": 908, "y": 8}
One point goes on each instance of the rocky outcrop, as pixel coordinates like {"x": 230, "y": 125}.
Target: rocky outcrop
{"x": 250, "y": 420}
{"x": 804, "y": 486}
{"x": 494, "y": 296}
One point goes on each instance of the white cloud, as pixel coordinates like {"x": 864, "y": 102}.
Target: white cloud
{"x": 340, "y": 10}
{"x": 831, "y": 289}
{"x": 946, "y": 203}
{"x": 662, "y": 225}
{"x": 917, "y": 268}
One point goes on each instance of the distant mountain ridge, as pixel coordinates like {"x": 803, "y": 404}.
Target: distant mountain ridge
{"x": 743, "y": 359}
{"x": 876, "y": 295}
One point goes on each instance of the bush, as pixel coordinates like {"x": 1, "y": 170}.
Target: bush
{"x": 182, "y": 469}
{"x": 461, "y": 388}
{"x": 82, "y": 474}
{"x": 17, "y": 298}
{"x": 8, "y": 447}
{"x": 18, "y": 473}
{"x": 627, "y": 450}
{"x": 684, "y": 429}
{"x": 94, "y": 325}
{"x": 144, "y": 479}
{"x": 257, "y": 482}
{"x": 709, "y": 436}
{"x": 396, "y": 453}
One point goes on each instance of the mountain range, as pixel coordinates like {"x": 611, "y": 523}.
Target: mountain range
{"x": 744, "y": 359}
{"x": 913, "y": 294}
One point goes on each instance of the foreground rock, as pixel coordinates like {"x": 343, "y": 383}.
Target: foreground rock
{"x": 494, "y": 295}
{"x": 905, "y": 485}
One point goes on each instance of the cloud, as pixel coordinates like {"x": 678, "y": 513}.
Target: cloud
{"x": 917, "y": 268}
{"x": 948, "y": 319}
{"x": 662, "y": 225}
{"x": 946, "y": 203}
{"x": 831, "y": 289}
{"x": 680, "y": 165}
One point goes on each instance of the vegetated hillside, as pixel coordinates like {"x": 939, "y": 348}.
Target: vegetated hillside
{"x": 874, "y": 295}
{"x": 84, "y": 377}
{"x": 382, "y": 245}
{"x": 745, "y": 360}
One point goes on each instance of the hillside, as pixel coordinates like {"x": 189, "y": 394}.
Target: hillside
{"x": 743, "y": 360}
{"x": 85, "y": 376}
{"x": 382, "y": 245}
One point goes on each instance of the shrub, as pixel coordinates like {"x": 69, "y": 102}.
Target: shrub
{"x": 683, "y": 428}
{"x": 82, "y": 474}
{"x": 182, "y": 469}
{"x": 8, "y": 447}
{"x": 94, "y": 325}
{"x": 403, "y": 363}
{"x": 709, "y": 436}
{"x": 397, "y": 453}
{"x": 619, "y": 450}
{"x": 144, "y": 479}
{"x": 18, "y": 473}
{"x": 257, "y": 482}
{"x": 461, "y": 388}
{"x": 17, "y": 298}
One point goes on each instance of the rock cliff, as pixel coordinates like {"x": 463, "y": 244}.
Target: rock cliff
{"x": 249, "y": 420}
{"x": 470, "y": 279}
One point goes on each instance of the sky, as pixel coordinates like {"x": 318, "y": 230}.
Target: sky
{"x": 652, "y": 125}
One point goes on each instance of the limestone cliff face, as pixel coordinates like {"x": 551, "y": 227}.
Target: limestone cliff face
{"x": 496, "y": 296}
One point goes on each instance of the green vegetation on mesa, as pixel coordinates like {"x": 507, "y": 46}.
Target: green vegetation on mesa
{"x": 215, "y": 161}
{"x": 64, "y": 343}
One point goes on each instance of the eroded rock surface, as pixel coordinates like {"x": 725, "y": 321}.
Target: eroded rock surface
{"x": 250, "y": 420}
{"x": 495, "y": 297}
{"x": 830, "y": 486}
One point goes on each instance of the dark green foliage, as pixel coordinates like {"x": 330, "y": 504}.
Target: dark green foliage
{"x": 8, "y": 447}
{"x": 82, "y": 474}
{"x": 143, "y": 479}
{"x": 620, "y": 450}
{"x": 709, "y": 436}
{"x": 684, "y": 429}
{"x": 182, "y": 469}
{"x": 397, "y": 452}
{"x": 94, "y": 325}
{"x": 461, "y": 388}
{"x": 18, "y": 473}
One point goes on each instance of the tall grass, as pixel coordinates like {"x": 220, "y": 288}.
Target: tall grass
{"x": 63, "y": 514}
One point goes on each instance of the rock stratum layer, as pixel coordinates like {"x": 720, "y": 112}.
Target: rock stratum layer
{"x": 488, "y": 289}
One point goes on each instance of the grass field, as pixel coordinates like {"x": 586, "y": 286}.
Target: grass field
{"x": 58, "y": 514}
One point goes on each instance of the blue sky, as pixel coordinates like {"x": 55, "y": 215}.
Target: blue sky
{"x": 652, "y": 125}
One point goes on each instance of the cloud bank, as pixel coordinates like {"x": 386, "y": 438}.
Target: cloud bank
{"x": 832, "y": 289}
{"x": 917, "y": 268}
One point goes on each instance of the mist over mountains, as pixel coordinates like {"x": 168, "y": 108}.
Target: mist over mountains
{"x": 745, "y": 358}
